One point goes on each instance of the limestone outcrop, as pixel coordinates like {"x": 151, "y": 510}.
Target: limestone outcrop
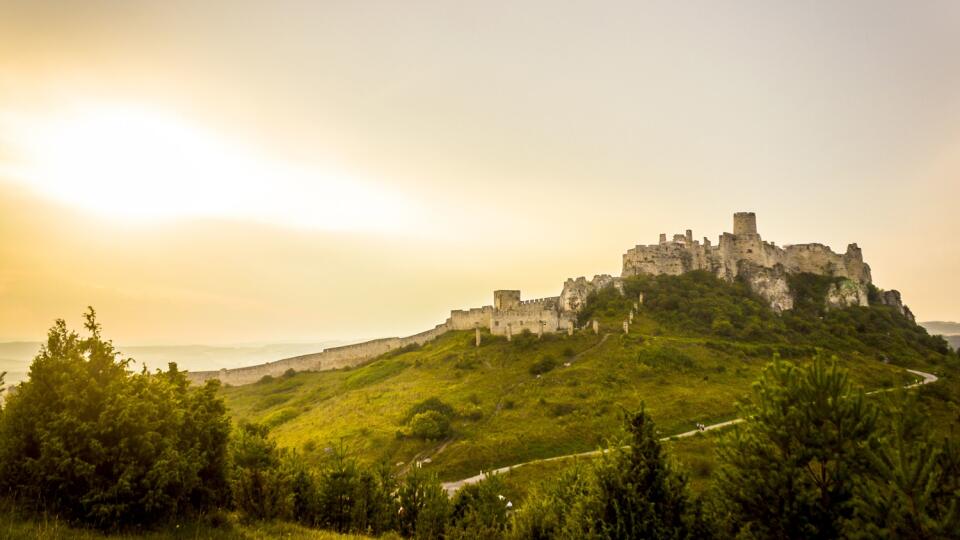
{"x": 892, "y": 298}
{"x": 847, "y": 293}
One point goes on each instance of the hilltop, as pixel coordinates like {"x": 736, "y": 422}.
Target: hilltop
{"x": 694, "y": 346}
{"x": 770, "y": 272}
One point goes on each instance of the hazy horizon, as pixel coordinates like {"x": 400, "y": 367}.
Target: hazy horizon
{"x": 299, "y": 171}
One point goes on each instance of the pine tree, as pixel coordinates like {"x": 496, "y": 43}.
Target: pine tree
{"x": 631, "y": 492}
{"x": 638, "y": 494}
{"x": 789, "y": 471}
{"x": 913, "y": 486}
{"x": 424, "y": 506}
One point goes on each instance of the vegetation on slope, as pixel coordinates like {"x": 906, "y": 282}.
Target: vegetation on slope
{"x": 90, "y": 443}
{"x": 694, "y": 347}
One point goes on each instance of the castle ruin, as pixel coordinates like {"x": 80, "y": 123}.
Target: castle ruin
{"x": 742, "y": 254}
{"x": 763, "y": 264}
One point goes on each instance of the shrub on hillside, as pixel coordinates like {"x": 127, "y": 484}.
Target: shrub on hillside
{"x": 431, "y": 404}
{"x": 543, "y": 365}
{"x": 667, "y": 358}
{"x": 430, "y": 425}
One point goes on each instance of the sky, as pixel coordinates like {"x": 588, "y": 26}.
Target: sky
{"x": 244, "y": 172}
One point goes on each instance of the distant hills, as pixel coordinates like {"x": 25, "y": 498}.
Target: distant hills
{"x": 944, "y": 328}
{"x": 15, "y": 357}
{"x": 949, "y": 330}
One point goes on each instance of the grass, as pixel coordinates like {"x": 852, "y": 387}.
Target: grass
{"x": 516, "y": 416}
{"x": 15, "y": 526}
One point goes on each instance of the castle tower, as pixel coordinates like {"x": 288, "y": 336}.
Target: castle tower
{"x": 506, "y": 299}
{"x": 744, "y": 223}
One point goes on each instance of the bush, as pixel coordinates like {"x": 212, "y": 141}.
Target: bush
{"x": 544, "y": 365}
{"x": 562, "y": 409}
{"x": 430, "y": 404}
{"x": 667, "y": 358}
{"x": 85, "y": 438}
{"x": 472, "y": 412}
{"x": 430, "y": 425}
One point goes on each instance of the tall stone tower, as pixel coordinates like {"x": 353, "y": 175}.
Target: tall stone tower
{"x": 744, "y": 223}
{"x": 505, "y": 299}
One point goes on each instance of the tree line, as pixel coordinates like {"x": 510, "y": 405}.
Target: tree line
{"x": 90, "y": 440}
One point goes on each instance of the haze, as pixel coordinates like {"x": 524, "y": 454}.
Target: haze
{"x": 224, "y": 172}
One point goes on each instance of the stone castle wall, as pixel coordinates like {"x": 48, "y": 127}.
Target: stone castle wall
{"x": 468, "y": 319}
{"x": 332, "y": 358}
{"x": 683, "y": 254}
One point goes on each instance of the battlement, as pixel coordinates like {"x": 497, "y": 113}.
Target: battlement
{"x": 539, "y": 301}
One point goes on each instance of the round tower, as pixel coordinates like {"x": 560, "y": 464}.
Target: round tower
{"x": 744, "y": 223}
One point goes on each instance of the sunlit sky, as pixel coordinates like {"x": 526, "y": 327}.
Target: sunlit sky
{"x": 233, "y": 172}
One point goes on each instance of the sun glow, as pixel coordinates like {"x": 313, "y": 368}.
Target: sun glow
{"x": 146, "y": 164}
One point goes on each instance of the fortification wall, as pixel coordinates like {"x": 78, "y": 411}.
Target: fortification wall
{"x": 468, "y": 319}
{"x": 332, "y": 358}
{"x": 518, "y": 321}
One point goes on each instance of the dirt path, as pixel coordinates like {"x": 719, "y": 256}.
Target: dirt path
{"x": 452, "y": 487}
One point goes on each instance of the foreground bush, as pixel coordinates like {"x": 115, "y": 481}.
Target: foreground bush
{"x": 87, "y": 439}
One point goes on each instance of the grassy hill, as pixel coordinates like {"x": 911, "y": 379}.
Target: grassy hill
{"x": 695, "y": 347}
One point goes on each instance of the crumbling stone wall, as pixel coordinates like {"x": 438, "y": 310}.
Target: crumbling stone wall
{"x": 745, "y": 250}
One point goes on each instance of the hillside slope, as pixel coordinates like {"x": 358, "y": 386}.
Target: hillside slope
{"x": 695, "y": 346}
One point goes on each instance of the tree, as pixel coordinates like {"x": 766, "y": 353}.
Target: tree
{"x": 88, "y": 439}
{"x": 424, "y": 506}
{"x": 339, "y": 484}
{"x": 261, "y": 488}
{"x": 479, "y": 511}
{"x": 789, "y": 471}
{"x": 631, "y": 492}
{"x": 638, "y": 494}
{"x": 912, "y": 488}
{"x": 546, "y": 509}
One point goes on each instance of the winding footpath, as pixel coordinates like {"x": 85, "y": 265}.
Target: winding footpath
{"x": 452, "y": 487}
